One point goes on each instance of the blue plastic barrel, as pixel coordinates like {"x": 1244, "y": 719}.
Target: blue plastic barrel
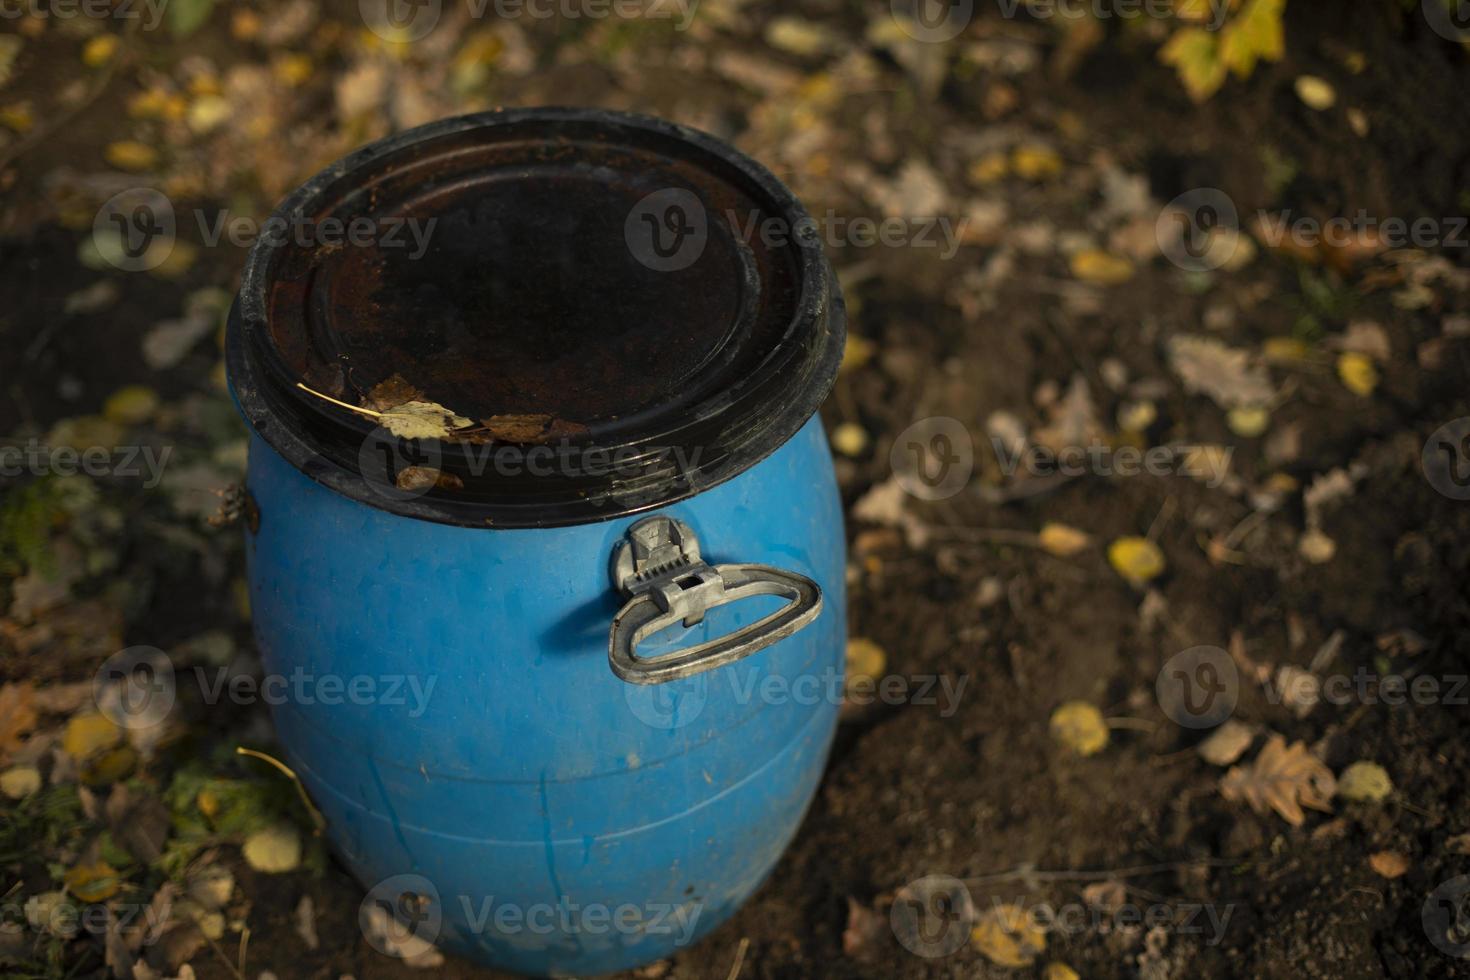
{"x": 575, "y": 666}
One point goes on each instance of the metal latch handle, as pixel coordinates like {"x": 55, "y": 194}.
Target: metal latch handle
{"x": 658, "y": 567}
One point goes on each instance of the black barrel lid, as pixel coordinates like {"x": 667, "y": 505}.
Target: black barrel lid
{"x": 613, "y": 312}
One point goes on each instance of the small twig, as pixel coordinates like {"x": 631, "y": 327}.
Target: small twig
{"x": 351, "y": 408}
{"x": 1005, "y": 535}
{"x": 316, "y": 815}
{"x": 1162, "y": 518}
{"x": 1134, "y": 724}
{"x": 739, "y": 959}
{"x": 221, "y": 954}
{"x": 1413, "y": 809}
{"x": 1070, "y": 874}
{"x": 244, "y": 945}
{"x": 1246, "y": 525}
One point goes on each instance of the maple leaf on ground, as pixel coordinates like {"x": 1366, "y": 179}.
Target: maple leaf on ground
{"x": 1282, "y": 778}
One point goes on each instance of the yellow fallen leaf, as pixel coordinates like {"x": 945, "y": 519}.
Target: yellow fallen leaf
{"x": 210, "y": 922}
{"x": 989, "y": 168}
{"x": 1357, "y": 373}
{"x": 1035, "y": 162}
{"x": 1080, "y": 727}
{"x": 421, "y": 420}
{"x": 1059, "y": 971}
{"x": 865, "y": 658}
{"x": 1364, "y": 782}
{"x": 1316, "y": 92}
{"x": 1103, "y": 268}
{"x": 111, "y": 766}
{"x": 1281, "y": 483}
{"x": 208, "y": 803}
{"x": 17, "y": 117}
{"x": 208, "y": 112}
{"x": 275, "y": 850}
{"x": 1389, "y": 864}
{"x": 1248, "y": 422}
{"x": 131, "y": 405}
{"x": 1195, "y": 54}
{"x": 1137, "y": 559}
{"x": 1063, "y": 540}
{"x": 1007, "y": 935}
{"x": 1137, "y": 416}
{"x": 1254, "y": 32}
{"x": 99, "y": 50}
{"x": 93, "y": 882}
{"x": 859, "y": 351}
{"x": 20, "y": 782}
{"x": 1285, "y": 350}
{"x": 292, "y": 69}
{"x": 130, "y": 155}
{"x": 850, "y": 439}
{"x": 205, "y": 83}
{"x": 1316, "y": 547}
{"x": 89, "y": 735}
{"x": 797, "y": 36}
{"x": 151, "y": 103}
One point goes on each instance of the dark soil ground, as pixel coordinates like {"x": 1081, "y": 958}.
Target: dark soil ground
{"x": 980, "y": 789}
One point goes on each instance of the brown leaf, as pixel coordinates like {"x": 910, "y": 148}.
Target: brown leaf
{"x": 1073, "y": 419}
{"x": 863, "y": 927}
{"x": 1231, "y": 377}
{"x": 140, "y": 823}
{"x": 156, "y": 917}
{"x": 412, "y": 478}
{"x": 529, "y": 428}
{"x": 17, "y": 715}
{"x": 390, "y": 393}
{"x": 1389, "y": 864}
{"x": 1106, "y": 895}
{"x": 1282, "y": 778}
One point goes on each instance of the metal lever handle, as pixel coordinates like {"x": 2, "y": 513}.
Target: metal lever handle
{"x": 658, "y": 567}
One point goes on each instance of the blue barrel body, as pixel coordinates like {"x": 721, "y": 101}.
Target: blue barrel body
{"x": 473, "y": 735}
